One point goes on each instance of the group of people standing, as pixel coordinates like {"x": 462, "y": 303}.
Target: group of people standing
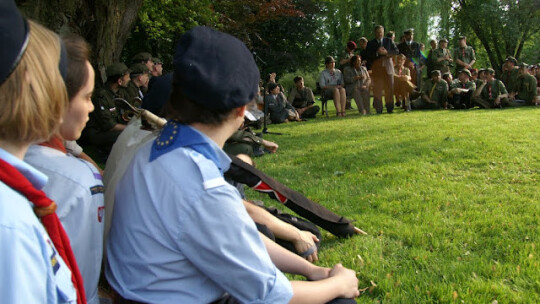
{"x": 394, "y": 71}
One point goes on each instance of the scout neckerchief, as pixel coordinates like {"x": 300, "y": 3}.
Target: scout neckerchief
{"x": 55, "y": 143}
{"x": 175, "y": 135}
{"x": 489, "y": 90}
{"x": 432, "y": 90}
{"x": 45, "y": 208}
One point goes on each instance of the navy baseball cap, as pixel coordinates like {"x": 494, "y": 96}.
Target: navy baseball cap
{"x": 215, "y": 70}
{"x": 13, "y": 38}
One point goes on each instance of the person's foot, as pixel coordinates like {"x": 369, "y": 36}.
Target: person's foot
{"x": 398, "y": 103}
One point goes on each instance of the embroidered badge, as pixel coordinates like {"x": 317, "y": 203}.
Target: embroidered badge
{"x": 54, "y": 260}
{"x": 97, "y": 189}
{"x": 100, "y": 213}
{"x": 167, "y": 137}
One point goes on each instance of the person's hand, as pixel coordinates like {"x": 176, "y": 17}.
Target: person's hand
{"x": 382, "y": 51}
{"x": 349, "y": 281}
{"x": 306, "y": 241}
{"x": 270, "y": 145}
{"x": 498, "y": 101}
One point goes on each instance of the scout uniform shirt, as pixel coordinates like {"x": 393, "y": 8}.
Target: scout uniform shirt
{"x": 32, "y": 269}
{"x": 437, "y": 92}
{"x": 76, "y": 186}
{"x": 492, "y": 90}
{"x": 526, "y": 88}
{"x": 441, "y": 65}
{"x": 465, "y": 54}
{"x": 180, "y": 233}
{"x": 509, "y": 78}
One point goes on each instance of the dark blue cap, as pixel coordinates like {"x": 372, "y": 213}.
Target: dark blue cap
{"x": 159, "y": 90}
{"x": 215, "y": 70}
{"x": 13, "y": 38}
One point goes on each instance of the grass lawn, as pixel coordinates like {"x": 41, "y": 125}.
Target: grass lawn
{"x": 450, "y": 200}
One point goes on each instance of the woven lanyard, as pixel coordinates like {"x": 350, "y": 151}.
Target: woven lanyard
{"x": 432, "y": 90}
{"x": 489, "y": 90}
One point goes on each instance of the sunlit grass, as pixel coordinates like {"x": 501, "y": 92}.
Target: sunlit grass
{"x": 450, "y": 200}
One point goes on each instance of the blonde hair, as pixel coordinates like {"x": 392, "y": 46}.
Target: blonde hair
{"x": 33, "y": 99}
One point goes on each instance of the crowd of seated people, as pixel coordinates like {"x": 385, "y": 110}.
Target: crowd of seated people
{"x": 169, "y": 237}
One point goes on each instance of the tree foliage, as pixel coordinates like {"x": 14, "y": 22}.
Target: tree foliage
{"x": 502, "y": 26}
{"x": 104, "y": 24}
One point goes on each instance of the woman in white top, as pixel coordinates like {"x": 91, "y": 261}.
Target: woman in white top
{"x": 331, "y": 82}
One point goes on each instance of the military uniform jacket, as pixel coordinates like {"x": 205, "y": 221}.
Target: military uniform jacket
{"x": 492, "y": 89}
{"x": 440, "y": 65}
{"x": 410, "y": 51}
{"x": 301, "y": 99}
{"x": 526, "y": 88}
{"x": 465, "y": 54}
{"x": 509, "y": 78}
{"x": 130, "y": 92}
{"x": 277, "y": 108}
{"x": 436, "y": 91}
{"x": 105, "y": 115}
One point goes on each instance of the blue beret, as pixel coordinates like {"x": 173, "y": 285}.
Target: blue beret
{"x": 13, "y": 38}
{"x": 215, "y": 70}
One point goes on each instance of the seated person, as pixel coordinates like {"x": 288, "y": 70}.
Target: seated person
{"x": 105, "y": 122}
{"x": 244, "y": 141}
{"x": 302, "y": 99}
{"x": 491, "y": 93}
{"x": 277, "y": 106}
{"x": 357, "y": 83}
{"x": 526, "y": 86}
{"x": 74, "y": 184}
{"x": 462, "y": 90}
{"x": 331, "y": 83}
{"x": 403, "y": 85}
{"x": 138, "y": 86}
{"x": 434, "y": 93}
{"x": 180, "y": 232}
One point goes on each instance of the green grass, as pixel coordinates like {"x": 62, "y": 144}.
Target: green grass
{"x": 450, "y": 200}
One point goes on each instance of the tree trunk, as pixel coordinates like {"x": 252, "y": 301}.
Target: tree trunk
{"x": 105, "y": 24}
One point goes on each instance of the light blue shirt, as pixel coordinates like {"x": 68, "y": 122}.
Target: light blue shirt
{"x": 180, "y": 233}
{"x": 32, "y": 269}
{"x": 76, "y": 187}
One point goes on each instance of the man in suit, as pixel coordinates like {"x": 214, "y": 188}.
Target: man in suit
{"x": 411, "y": 50}
{"x": 379, "y": 60}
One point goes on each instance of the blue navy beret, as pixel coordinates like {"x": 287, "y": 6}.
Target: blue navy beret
{"x": 13, "y": 38}
{"x": 215, "y": 70}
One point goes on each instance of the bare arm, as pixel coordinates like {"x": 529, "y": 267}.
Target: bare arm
{"x": 118, "y": 127}
{"x": 327, "y": 284}
{"x": 302, "y": 240}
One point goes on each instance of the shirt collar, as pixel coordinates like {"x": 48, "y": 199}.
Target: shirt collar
{"x": 37, "y": 178}
{"x": 176, "y": 135}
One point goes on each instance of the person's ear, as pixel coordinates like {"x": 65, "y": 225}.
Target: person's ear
{"x": 240, "y": 111}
